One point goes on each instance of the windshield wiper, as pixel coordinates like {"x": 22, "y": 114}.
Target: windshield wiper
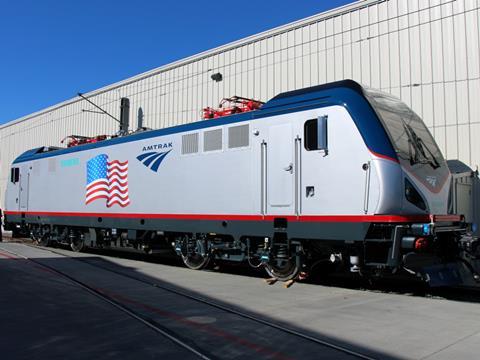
{"x": 434, "y": 162}
{"x": 419, "y": 148}
{"x": 411, "y": 144}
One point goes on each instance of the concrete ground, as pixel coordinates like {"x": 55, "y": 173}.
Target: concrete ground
{"x": 43, "y": 316}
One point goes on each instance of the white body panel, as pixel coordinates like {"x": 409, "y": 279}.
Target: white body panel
{"x": 226, "y": 181}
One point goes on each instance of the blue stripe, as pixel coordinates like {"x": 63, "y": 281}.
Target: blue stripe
{"x": 149, "y": 160}
{"x": 157, "y": 163}
{"x": 143, "y": 156}
{"x": 346, "y": 93}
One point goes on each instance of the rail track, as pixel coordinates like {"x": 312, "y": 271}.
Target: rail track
{"x": 165, "y": 332}
{"x": 121, "y": 307}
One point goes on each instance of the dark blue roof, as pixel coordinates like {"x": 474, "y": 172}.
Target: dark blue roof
{"x": 345, "y": 93}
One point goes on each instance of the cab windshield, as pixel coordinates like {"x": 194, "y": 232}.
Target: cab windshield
{"x": 409, "y": 135}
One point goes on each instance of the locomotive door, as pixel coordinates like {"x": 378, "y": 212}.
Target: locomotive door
{"x": 280, "y": 170}
{"x": 23, "y": 188}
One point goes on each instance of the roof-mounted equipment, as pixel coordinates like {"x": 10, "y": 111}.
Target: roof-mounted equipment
{"x": 230, "y": 106}
{"x": 75, "y": 140}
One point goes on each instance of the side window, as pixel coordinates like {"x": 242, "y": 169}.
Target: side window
{"x": 316, "y": 134}
{"x": 15, "y": 175}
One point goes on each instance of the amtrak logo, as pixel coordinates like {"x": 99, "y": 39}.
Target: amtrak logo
{"x": 160, "y": 146}
{"x": 153, "y": 159}
{"x": 432, "y": 180}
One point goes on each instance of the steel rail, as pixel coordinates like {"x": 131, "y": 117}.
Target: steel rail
{"x": 205, "y": 301}
{"x": 149, "y": 323}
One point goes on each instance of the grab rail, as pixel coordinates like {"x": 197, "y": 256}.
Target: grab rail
{"x": 366, "y": 167}
{"x": 298, "y": 176}
{"x": 263, "y": 178}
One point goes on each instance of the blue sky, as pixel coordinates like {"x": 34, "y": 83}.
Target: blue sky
{"x": 52, "y": 49}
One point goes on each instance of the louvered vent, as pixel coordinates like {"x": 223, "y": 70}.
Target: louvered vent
{"x": 212, "y": 140}
{"x": 190, "y": 143}
{"x": 238, "y": 136}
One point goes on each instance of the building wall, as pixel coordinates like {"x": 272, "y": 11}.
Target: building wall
{"x": 424, "y": 51}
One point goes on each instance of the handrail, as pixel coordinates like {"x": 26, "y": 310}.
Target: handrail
{"x": 263, "y": 178}
{"x": 298, "y": 176}
{"x": 366, "y": 168}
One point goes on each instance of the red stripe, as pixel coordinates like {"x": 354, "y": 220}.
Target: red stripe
{"x": 116, "y": 168}
{"x": 116, "y": 181}
{"x": 384, "y": 156}
{"x": 116, "y": 196}
{"x": 270, "y": 353}
{"x": 103, "y": 182}
{"x": 110, "y": 204}
{"x": 8, "y": 256}
{"x": 117, "y": 174}
{"x": 86, "y": 203}
{"x": 89, "y": 193}
{"x": 118, "y": 162}
{"x": 447, "y": 218}
{"x": 123, "y": 192}
{"x": 414, "y": 174}
{"x": 303, "y": 218}
{"x": 360, "y": 218}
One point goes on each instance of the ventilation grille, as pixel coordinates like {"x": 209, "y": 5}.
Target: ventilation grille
{"x": 190, "y": 143}
{"x": 238, "y": 136}
{"x": 212, "y": 140}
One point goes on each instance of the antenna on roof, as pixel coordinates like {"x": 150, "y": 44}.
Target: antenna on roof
{"x": 140, "y": 119}
{"x": 98, "y": 107}
{"x": 124, "y": 116}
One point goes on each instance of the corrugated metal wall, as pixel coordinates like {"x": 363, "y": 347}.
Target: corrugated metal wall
{"x": 424, "y": 51}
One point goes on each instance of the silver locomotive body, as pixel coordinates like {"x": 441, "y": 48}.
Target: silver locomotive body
{"x": 332, "y": 173}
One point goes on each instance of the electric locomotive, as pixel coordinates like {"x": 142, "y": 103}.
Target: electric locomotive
{"x": 333, "y": 174}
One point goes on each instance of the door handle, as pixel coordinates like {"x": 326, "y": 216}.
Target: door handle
{"x": 289, "y": 168}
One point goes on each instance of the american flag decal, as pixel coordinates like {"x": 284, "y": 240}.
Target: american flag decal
{"x": 107, "y": 180}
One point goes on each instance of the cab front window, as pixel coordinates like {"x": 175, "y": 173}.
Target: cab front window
{"x": 409, "y": 135}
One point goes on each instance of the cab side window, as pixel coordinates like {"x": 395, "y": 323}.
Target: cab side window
{"x": 15, "y": 175}
{"x": 316, "y": 134}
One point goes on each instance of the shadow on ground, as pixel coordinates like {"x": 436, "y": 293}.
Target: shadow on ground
{"x": 44, "y": 314}
{"x": 406, "y": 285}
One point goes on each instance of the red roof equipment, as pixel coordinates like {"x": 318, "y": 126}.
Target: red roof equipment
{"x": 235, "y": 105}
{"x": 75, "y": 140}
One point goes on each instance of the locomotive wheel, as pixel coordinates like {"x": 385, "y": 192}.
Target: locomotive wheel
{"x": 34, "y": 236}
{"x": 282, "y": 270}
{"x": 77, "y": 244}
{"x": 195, "y": 256}
{"x": 43, "y": 240}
